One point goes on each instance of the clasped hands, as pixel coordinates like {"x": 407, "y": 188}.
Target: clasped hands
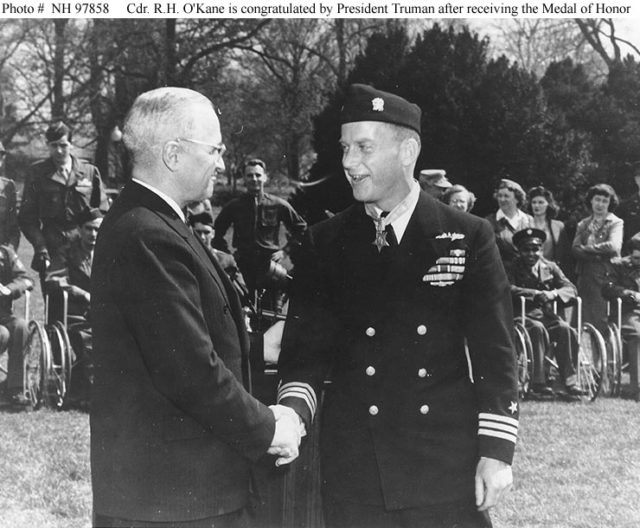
{"x": 289, "y": 432}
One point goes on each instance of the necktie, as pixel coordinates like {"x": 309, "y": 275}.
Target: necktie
{"x": 391, "y": 236}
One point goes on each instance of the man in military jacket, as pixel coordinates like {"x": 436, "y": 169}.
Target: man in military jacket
{"x": 257, "y": 218}
{"x": 541, "y": 282}
{"x": 56, "y": 190}
{"x": 383, "y": 304}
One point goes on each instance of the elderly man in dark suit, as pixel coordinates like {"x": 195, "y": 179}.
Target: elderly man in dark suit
{"x": 387, "y": 294}
{"x": 173, "y": 430}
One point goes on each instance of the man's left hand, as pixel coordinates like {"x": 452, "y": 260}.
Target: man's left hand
{"x": 278, "y": 255}
{"x": 493, "y": 478}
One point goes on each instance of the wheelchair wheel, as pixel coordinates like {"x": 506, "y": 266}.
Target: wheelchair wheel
{"x": 35, "y": 364}
{"x": 614, "y": 361}
{"x": 58, "y": 374}
{"x": 592, "y": 362}
{"x": 524, "y": 354}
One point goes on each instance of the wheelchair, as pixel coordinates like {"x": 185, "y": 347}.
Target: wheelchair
{"x": 48, "y": 357}
{"x": 591, "y": 362}
{"x": 619, "y": 360}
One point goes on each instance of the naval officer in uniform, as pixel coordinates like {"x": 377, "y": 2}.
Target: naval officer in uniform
{"x": 414, "y": 432}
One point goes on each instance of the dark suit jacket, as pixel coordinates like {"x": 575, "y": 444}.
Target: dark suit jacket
{"x": 173, "y": 430}
{"x": 402, "y": 424}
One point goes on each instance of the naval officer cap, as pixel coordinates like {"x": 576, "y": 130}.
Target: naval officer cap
{"x": 365, "y": 103}
{"x": 531, "y": 235}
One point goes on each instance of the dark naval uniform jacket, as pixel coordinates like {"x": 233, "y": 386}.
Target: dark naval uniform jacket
{"x": 50, "y": 203}
{"x": 403, "y": 424}
{"x": 548, "y": 277}
{"x": 173, "y": 431}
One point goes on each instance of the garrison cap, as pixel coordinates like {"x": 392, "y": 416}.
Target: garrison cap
{"x": 531, "y": 234}
{"x": 57, "y": 131}
{"x": 436, "y": 177}
{"x": 365, "y": 103}
{"x": 88, "y": 215}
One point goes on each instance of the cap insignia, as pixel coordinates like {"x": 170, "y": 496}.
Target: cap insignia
{"x": 377, "y": 104}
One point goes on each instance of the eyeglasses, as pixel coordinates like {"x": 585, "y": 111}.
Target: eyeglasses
{"x": 215, "y": 149}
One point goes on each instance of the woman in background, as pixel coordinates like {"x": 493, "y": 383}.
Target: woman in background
{"x": 544, "y": 209}
{"x": 598, "y": 239}
{"x": 459, "y": 197}
{"x": 509, "y": 218}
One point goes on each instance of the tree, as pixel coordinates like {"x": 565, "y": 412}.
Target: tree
{"x": 483, "y": 118}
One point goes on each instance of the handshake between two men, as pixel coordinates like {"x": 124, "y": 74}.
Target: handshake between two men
{"x": 288, "y": 434}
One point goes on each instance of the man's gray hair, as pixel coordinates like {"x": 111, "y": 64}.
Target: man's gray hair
{"x": 158, "y": 116}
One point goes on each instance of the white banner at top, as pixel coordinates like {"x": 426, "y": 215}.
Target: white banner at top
{"x": 319, "y": 9}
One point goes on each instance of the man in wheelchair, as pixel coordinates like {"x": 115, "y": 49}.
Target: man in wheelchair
{"x": 13, "y": 329}
{"x": 623, "y": 281}
{"x": 541, "y": 282}
{"x": 71, "y": 272}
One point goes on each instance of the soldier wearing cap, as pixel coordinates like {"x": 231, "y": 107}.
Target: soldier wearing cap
{"x": 541, "y": 282}
{"x": 56, "y": 190}
{"x": 9, "y": 230}
{"x": 434, "y": 182}
{"x": 383, "y": 298}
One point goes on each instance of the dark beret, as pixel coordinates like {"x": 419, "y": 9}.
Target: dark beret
{"x": 57, "y": 131}
{"x": 201, "y": 218}
{"x": 365, "y": 103}
{"x": 88, "y": 215}
{"x": 531, "y": 234}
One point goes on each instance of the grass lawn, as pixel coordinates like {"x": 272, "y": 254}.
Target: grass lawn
{"x": 576, "y": 466}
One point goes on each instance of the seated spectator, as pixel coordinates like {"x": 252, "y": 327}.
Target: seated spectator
{"x": 434, "y": 182}
{"x": 13, "y": 329}
{"x": 71, "y": 271}
{"x": 509, "y": 218}
{"x": 541, "y": 282}
{"x": 459, "y": 197}
{"x": 623, "y": 280}
{"x": 202, "y": 225}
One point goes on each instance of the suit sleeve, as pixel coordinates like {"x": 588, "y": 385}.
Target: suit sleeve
{"x": 307, "y": 341}
{"x": 489, "y": 331}
{"x": 159, "y": 294}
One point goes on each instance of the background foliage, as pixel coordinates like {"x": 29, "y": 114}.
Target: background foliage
{"x": 555, "y": 102}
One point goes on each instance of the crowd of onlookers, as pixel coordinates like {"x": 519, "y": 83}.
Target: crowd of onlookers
{"x": 603, "y": 259}
{"x": 64, "y": 200}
